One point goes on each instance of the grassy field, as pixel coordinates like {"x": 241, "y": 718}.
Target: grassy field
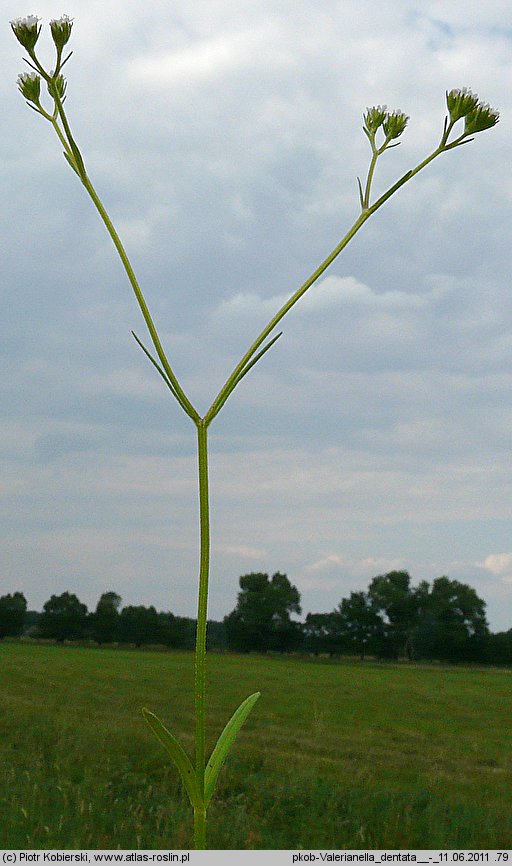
{"x": 344, "y": 755}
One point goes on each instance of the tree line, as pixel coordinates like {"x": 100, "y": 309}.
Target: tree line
{"x": 443, "y": 621}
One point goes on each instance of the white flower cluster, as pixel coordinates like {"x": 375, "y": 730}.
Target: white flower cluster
{"x": 29, "y": 85}
{"x": 23, "y": 77}
{"x": 61, "y": 31}
{"x": 26, "y": 31}
{"x": 59, "y": 22}
{"x": 27, "y": 23}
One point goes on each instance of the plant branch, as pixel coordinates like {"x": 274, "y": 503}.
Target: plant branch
{"x": 73, "y": 155}
{"x": 367, "y": 211}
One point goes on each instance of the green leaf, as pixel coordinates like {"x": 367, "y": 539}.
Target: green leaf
{"x": 72, "y": 164}
{"x": 166, "y": 378}
{"x": 245, "y": 370}
{"x": 77, "y": 155}
{"x": 158, "y": 367}
{"x": 179, "y": 756}
{"x": 361, "y": 199}
{"x": 224, "y": 743}
{"x": 257, "y": 358}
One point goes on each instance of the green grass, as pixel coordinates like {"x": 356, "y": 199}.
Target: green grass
{"x": 344, "y": 755}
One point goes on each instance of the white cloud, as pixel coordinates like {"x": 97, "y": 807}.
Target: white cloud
{"x": 333, "y": 560}
{"x": 499, "y": 564}
{"x": 335, "y": 570}
{"x": 328, "y": 294}
{"x": 211, "y": 58}
{"x": 241, "y": 551}
{"x": 366, "y": 566}
{"x": 333, "y": 291}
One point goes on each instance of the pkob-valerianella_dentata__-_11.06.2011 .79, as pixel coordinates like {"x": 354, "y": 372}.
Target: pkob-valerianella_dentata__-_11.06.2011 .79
{"x": 466, "y": 116}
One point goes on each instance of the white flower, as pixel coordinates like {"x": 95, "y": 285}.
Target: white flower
{"x": 27, "y": 23}
{"x": 27, "y": 76}
{"x": 64, "y": 19}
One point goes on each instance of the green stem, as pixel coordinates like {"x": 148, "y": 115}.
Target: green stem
{"x": 71, "y": 148}
{"x": 181, "y": 396}
{"x": 53, "y": 121}
{"x": 200, "y": 829}
{"x": 72, "y": 143}
{"x": 441, "y": 148}
{"x": 375, "y": 155}
{"x": 202, "y": 612}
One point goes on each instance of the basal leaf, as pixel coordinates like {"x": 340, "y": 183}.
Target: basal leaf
{"x": 178, "y": 754}
{"x": 224, "y": 743}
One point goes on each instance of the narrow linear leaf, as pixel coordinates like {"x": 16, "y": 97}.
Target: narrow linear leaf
{"x": 224, "y": 743}
{"x": 187, "y": 407}
{"x": 257, "y": 358}
{"x": 31, "y": 65}
{"x": 361, "y": 199}
{"x": 72, "y": 164}
{"x": 178, "y": 754}
{"x": 66, "y": 60}
{"x": 246, "y": 370}
{"x": 158, "y": 367}
{"x": 78, "y": 156}
{"x": 458, "y": 143}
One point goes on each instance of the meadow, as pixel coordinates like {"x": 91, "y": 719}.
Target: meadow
{"x": 334, "y": 755}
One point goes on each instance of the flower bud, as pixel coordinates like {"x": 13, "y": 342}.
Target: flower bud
{"x": 460, "y": 103}
{"x": 57, "y": 85}
{"x": 482, "y": 117}
{"x": 26, "y": 31}
{"x": 29, "y": 84}
{"x": 395, "y": 123}
{"x": 374, "y": 118}
{"x": 61, "y": 30}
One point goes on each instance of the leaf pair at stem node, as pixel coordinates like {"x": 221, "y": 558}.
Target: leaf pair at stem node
{"x": 200, "y": 790}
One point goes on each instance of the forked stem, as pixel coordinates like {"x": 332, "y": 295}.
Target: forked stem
{"x": 200, "y": 780}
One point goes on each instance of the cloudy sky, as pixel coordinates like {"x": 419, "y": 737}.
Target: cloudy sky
{"x": 225, "y": 139}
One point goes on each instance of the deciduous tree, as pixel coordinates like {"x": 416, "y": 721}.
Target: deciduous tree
{"x": 13, "y": 609}
{"x": 64, "y": 617}
{"x": 139, "y": 625}
{"x": 262, "y": 617}
{"x": 105, "y": 619}
{"x": 394, "y": 601}
{"x": 358, "y": 623}
{"x": 451, "y": 622}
